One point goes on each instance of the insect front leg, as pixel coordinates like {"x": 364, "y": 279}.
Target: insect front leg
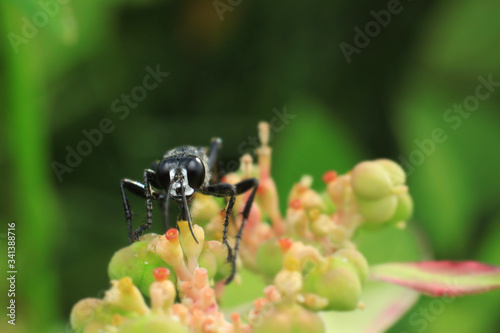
{"x": 213, "y": 159}
{"x": 222, "y": 190}
{"x": 136, "y": 188}
{"x": 242, "y": 187}
{"x": 149, "y": 195}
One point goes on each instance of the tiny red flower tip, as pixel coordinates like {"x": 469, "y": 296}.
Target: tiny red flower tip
{"x": 296, "y": 204}
{"x": 235, "y": 317}
{"x": 329, "y": 176}
{"x": 285, "y": 244}
{"x": 171, "y": 233}
{"x": 161, "y": 273}
{"x": 261, "y": 189}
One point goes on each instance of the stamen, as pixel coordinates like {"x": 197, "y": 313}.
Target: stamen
{"x": 161, "y": 273}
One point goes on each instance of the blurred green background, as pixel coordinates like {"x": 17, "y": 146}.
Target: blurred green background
{"x": 231, "y": 64}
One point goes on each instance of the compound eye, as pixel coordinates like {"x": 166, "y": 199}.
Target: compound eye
{"x": 195, "y": 172}
{"x": 163, "y": 173}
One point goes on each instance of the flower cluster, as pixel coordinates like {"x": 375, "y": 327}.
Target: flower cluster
{"x": 307, "y": 257}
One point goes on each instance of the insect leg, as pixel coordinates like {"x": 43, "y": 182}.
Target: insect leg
{"x": 242, "y": 187}
{"x": 213, "y": 159}
{"x": 223, "y": 190}
{"x": 136, "y": 188}
{"x": 164, "y": 200}
{"x": 149, "y": 194}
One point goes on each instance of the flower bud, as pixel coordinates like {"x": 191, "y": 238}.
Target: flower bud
{"x": 200, "y": 279}
{"x": 356, "y": 260}
{"x": 288, "y": 319}
{"x": 288, "y": 283}
{"x": 404, "y": 208}
{"x": 394, "y": 170}
{"x": 218, "y": 251}
{"x": 378, "y": 211}
{"x": 124, "y": 295}
{"x": 322, "y": 225}
{"x": 138, "y": 262}
{"x": 313, "y": 302}
{"x": 269, "y": 258}
{"x": 191, "y": 248}
{"x": 153, "y": 324}
{"x": 162, "y": 292}
{"x": 203, "y": 208}
{"x": 208, "y": 261}
{"x": 97, "y": 327}
{"x": 338, "y": 282}
{"x": 169, "y": 249}
{"x": 370, "y": 181}
{"x": 84, "y": 312}
{"x": 328, "y": 204}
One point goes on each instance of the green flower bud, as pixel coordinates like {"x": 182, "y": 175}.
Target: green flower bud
{"x": 137, "y": 262}
{"x": 84, "y": 312}
{"x": 270, "y": 258}
{"x": 219, "y": 253}
{"x": 96, "y": 327}
{"x": 203, "y": 208}
{"x": 371, "y": 181}
{"x": 208, "y": 261}
{"x": 322, "y": 225}
{"x": 292, "y": 318}
{"x": 395, "y": 172}
{"x": 124, "y": 297}
{"x": 153, "y": 324}
{"x": 190, "y": 246}
{"x": 404, "y": 208}
{"x": 378, "y": 211}
{"x": 356, "y": 260}
{"x": 329, "y": 205}
{"x": 338, "y": 282}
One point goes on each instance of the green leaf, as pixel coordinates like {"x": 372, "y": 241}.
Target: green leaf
{"x": 440, "y": 278}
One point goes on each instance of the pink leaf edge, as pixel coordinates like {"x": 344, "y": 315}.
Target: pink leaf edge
{"x": 440, "y": 278}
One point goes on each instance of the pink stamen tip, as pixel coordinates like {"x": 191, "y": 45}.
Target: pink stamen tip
{"x": 161, "y": 273}
{"x": 329, "y": 176}
{"x": 285, "y": 244}
{"x": 296, "y": 204}
{"x": 171, "y": 233}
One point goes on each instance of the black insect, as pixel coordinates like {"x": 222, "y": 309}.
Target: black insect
{"x": 181, "y": 173}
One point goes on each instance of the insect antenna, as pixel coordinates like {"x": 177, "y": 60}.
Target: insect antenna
{"x": 188, "y": 215}
{"x": 165, "y": 206}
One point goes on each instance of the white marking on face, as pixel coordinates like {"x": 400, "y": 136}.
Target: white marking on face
{"x": 188, "y": 190}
